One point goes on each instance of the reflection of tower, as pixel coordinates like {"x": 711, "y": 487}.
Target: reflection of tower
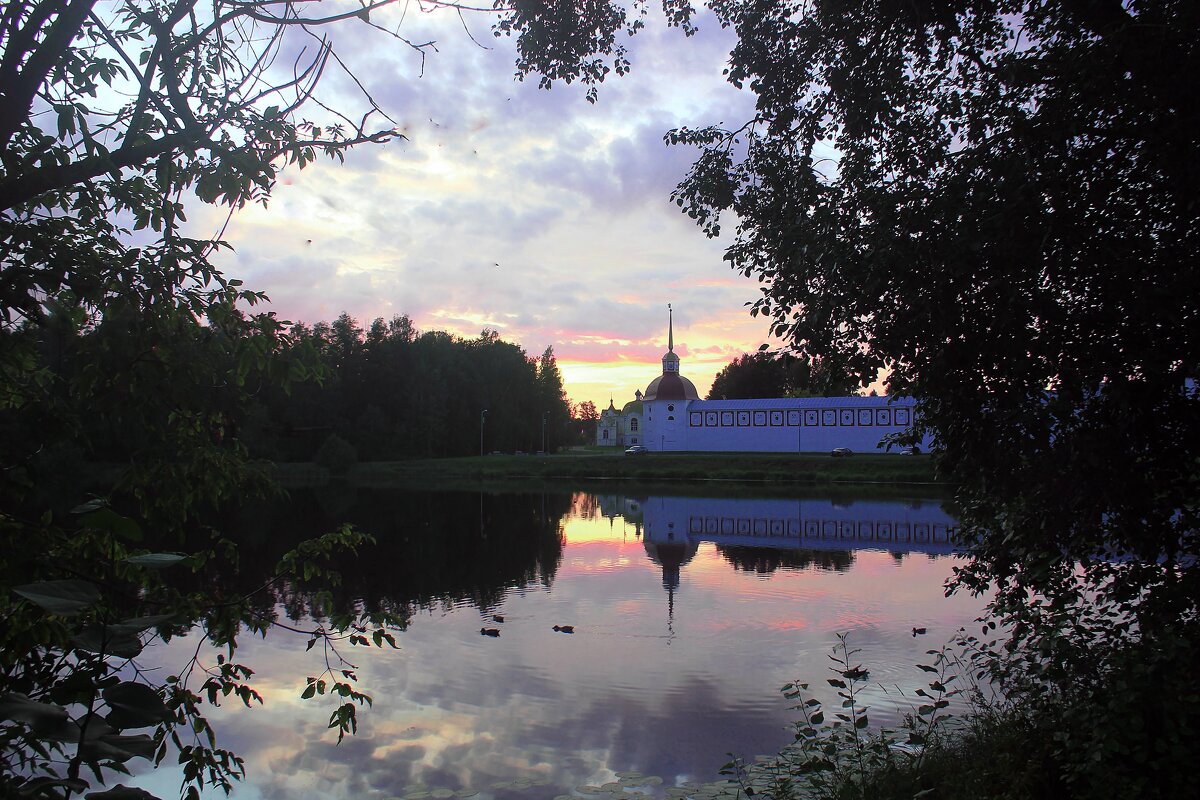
{"x": 671, "y": 554}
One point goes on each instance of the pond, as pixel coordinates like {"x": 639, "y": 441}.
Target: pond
{"x": 688, "y": 615}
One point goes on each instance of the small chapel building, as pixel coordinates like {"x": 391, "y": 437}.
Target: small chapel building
{"x": 670, "y": 416}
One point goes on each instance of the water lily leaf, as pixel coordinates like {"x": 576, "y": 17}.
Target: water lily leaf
{"x": 122, "y": 792}
{"x": 135, "y": 705}
{"x": 156, "y": 560}
{"x": 65, "y": 598}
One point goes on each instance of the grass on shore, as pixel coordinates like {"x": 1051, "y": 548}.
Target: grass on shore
{"x": 588, "y": 468}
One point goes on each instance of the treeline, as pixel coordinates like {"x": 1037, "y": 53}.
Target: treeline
{"x": 140, "y": 393}
{"x": 766, "y": 374}
{"x": 390, "y": 391}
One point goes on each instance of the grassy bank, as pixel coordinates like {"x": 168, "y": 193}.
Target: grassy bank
{"x": 588, "y": 468}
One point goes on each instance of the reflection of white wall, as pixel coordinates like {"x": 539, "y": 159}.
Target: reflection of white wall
{"x": 919, "y": 526}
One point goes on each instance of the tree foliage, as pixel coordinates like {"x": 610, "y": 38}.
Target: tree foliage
{"x": 779, "y": 375}
{"x": 994, "y": 201}
{"x": 393, "y": 392}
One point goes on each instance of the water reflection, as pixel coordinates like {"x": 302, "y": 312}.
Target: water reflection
{"x": 432, "y": 549}
{"x": 689, "y": 614}
{"x": 820, "y": 524}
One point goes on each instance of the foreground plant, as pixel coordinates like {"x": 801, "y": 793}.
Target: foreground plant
{"x": 843, "y": 757}
{"x": 81, "y": 693}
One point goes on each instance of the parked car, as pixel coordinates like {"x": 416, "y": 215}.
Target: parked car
{"x": 911, "y": 451}
{"x": 636, "y": 450}
{"x": 841, "y": 452}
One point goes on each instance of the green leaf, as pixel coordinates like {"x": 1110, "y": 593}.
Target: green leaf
{"x": 109, "y": 521}
{"x": 38, "y": 716}
{"x": 135, "y": 705}
{"x": 156, "y": 560}
{"x": 118, "y": 748}
{"x": 90, "y": 505}
{"x": 123, "y": 792}
{"x": 139, "y": 624}
{"x": 65, "y": 598}
{"x": 37, "y": 787}
{"x": 111, "y": 640}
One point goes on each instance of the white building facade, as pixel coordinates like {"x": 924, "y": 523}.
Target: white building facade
{"x": 673, "y": 418}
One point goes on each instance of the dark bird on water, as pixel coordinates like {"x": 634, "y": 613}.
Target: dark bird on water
{"x": 489, "y": 631}
{"x": 497, "y": 618}
{"x": 918, "y": 631}
{"x": 565, "y": 628}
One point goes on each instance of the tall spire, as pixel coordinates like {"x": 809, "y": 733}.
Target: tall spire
{"x": 670, "y": 361}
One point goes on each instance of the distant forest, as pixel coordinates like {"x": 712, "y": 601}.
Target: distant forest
{"x": 390, "y": 391}
{"x": 333, "y": 392}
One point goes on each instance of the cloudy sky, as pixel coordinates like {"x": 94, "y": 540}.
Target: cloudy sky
{"x": 530, "y": 212}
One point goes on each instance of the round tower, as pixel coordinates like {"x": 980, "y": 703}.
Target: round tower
{"x": 666, "y": 399}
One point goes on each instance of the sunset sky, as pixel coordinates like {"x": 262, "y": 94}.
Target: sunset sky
{"x": 509, "y": 207}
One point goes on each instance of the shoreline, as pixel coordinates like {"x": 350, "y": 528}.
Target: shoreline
{"x": 675, "y": 472}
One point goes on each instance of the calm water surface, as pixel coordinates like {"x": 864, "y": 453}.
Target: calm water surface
{"x": 689, "y": 615}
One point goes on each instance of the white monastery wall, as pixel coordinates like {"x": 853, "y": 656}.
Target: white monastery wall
{"x": 796, "y": 425}
{"x": 674, "y": 418}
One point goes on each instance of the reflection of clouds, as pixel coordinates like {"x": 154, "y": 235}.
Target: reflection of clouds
{"x": 566, "y": 745}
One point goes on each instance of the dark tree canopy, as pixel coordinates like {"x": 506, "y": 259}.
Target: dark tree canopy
{"x": 391, "y": 392}
{"x": 779, "y": 375}
{"x": 995, "y": 201}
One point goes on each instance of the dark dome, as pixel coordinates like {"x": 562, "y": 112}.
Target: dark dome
{"x": 671, "y": 386}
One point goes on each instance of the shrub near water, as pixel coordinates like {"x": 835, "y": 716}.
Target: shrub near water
{"x": 1127, "y": 731}
{"x": 840, "y": 758}
{"x": 336, "y": 455}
